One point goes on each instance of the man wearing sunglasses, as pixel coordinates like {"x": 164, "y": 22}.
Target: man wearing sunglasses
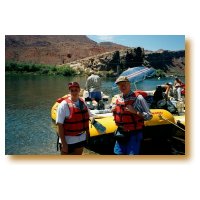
{"x": 73, "y": 122}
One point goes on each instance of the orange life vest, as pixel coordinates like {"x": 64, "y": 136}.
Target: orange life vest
{"x": 125, "y": 119}
{"x": 78, "y": 121}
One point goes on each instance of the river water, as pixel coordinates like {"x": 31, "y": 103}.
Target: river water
{"x": 29, "y": 98}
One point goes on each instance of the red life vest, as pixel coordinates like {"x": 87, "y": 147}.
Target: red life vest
{"x": 125, "y": 119}
{"x": 78, "y": 121}
{"x": 183, "y": 91}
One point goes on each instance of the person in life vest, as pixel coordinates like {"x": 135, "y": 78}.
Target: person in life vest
{"x": 129, "y": 112}
{"x": 73, "y": 122}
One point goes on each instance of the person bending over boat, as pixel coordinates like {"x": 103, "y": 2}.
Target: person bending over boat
{"x": 163, "y": 91}
{"x": 162, "y": 98}
{"x": 130, "y": 111}
{"x": 93, "y": 86}
{"x": 73, "y": 122}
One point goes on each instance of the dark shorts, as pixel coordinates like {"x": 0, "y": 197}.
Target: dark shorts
{"x": 95, "y": 95}
{"x": 71, "y": 147}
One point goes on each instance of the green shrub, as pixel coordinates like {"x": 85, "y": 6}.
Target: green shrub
{"x": 65, "y": 71}
{"x": 18, "y": 67}
{"x": 44, "y": 70}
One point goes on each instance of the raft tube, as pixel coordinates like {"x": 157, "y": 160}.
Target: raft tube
{"x": 180, "y": 120}
{"x": 107, "y": 119}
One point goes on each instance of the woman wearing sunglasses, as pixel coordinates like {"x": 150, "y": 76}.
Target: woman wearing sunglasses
{"x": 73, "y": 122}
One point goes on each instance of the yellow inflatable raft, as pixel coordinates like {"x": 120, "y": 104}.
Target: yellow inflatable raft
{"x": 180, "y": 120}
{"x": 160, "y": 117}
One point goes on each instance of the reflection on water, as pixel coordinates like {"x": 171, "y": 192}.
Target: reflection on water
{"x": 29, "y": 98}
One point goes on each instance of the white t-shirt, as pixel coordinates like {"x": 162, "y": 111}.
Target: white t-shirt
{"x": 62, "y": 112}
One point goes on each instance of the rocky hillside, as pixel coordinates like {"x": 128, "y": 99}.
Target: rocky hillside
{"x": 167, "y": 62}
{"x": 171, "y": 62}
{"x": 84, "y": 54}
{"x": 54, "y": 49}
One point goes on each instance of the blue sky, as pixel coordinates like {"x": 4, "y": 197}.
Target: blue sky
{"x": 148, "y": 42}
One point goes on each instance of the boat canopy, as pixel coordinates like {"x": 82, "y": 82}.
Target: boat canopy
{"x": 136, "y": 74}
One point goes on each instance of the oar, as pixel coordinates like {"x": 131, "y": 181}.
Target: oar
{"x": 99, "y": 127}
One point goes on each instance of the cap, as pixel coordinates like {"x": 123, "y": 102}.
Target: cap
{"x": 122, "y": 79}
{"x": 169, "y": 83}
{"x": 73, "y": 84}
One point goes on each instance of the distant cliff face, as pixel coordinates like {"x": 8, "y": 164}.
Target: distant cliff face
{"x": 171, "y": 62}
{"x": 82, "y": 53}
{"x": 53, "y": 49}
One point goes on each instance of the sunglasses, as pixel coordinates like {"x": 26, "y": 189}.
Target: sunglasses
{"x": 75, "y": 90}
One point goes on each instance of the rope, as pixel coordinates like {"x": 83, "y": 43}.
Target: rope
{"x": 161, "y": 117}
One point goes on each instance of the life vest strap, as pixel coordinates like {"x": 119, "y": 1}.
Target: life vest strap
{"x": 124, "y": 123}
{"x": 81, "y": 112}
{"x": 127, "y": 114}
{"x": 76, "y": 122}
{"x": 80, "y": 130}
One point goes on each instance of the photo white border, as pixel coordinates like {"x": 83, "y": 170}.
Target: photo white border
{"x": 120, "y": 179}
